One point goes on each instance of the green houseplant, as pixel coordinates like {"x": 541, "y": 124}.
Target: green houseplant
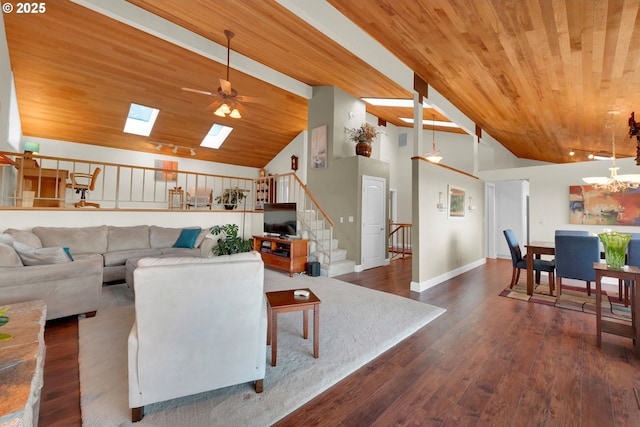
{"x": 231, "y": 197}
{"x": 229, "y": 242}
{"x": 3, "y": 321}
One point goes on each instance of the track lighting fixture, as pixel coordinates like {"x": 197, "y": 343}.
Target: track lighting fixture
{"x": 174, "y": 148}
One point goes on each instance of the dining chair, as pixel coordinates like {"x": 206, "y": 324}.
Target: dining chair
{"x": 575, "y": 256}
{"x": 572, "y": 233}
{"x": 520, "y": 262}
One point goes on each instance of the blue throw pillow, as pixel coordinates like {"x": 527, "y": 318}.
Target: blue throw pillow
{"x": 68, "y": 252}
{"x": 187, "y": 238}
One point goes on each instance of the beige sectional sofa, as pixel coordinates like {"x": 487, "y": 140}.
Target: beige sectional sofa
{"x": 37, "y": 268}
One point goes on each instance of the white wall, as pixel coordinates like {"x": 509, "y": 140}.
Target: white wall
{"x": 281, "y": 163}
{"x": 73, "y": 150}
{"x": 444, "y": 247}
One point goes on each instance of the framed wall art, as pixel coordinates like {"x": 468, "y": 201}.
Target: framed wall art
{"x": 456, "y": 202}
{"x": 593, "y": 206}
{"x": 167, "y": 173}
{"x": 319, "y": 147}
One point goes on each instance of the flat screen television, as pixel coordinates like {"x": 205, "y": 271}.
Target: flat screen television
{"x": 281, "y": 219}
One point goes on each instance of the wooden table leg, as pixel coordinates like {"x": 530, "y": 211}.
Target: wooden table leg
{"x": 305, "y": 324}
{"x": 316, "y": 330}
{"x": 530, "y": 258}
{"x": 274, "y": 337}
{"x": 634, "y": 309}
{"x": 598, "y": 308}
{"x": 268, "y": 324}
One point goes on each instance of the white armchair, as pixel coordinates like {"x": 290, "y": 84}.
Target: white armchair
{"x": 199, "y": 197}
{"x": 201, "y": 324}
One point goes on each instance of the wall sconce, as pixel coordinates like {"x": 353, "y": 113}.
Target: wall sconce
{"x": 440, "y": 205}
{"x": 294, "y": 163}
{"x": 472, "y": 207}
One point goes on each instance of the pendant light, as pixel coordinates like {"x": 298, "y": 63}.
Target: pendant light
{"x": 434, "y": 156}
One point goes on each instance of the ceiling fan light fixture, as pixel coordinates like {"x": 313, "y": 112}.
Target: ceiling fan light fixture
{"x": 235, "y": 114}
{"x": 220, "y": 112}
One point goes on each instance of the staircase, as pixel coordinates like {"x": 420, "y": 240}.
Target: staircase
{"x": 322, "y": 246}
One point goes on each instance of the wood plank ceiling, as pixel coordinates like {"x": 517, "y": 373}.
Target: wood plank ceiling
{"x": 540, "y": 77}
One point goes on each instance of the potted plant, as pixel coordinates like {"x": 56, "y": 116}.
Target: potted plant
{"x": 230, "y": 197}
{"x": 229, "y": 242}
{"x": 3, "y": 321}
{"x": 363, "y": 136}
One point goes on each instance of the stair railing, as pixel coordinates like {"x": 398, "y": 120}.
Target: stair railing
{"x": 399, "y": 240}
{"x": 315, "y": 224}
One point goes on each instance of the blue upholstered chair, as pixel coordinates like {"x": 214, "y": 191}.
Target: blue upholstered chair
{"x": 575, "y": 256}
{"x": 520, "y": 262}
{"x": 572, "y": 233}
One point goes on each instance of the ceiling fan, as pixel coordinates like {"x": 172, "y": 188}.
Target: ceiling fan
{"x": 227, "y": 101}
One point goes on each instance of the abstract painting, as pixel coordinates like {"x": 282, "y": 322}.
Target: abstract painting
{"x": 589, "y": 205}
{"x": 167, "y": 173}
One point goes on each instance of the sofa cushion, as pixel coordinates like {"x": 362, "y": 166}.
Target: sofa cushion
{"x": 203, "y": 234}
{"x": 41, "y": 256}
{"x": 26, "y": 237}
{"x": 121, "y": 257}
{"x": 123, "y": 238}
{"x": 245, "y": 256}
{"x": 163, "y": 237}
{"x": 9, "y": 257}
{"x": 80, "y": 240}
{"x": 187, "y": 238}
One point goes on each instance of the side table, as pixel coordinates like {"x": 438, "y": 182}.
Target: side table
{"x": 22, "y": 364}
{"x": 176, "y": 193}
{"x": 630, "y": 273}
{"x": 285, "y": 301}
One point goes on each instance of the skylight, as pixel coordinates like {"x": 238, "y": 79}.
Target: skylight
{"x": 216, "y": 136}
{"x": 394, "y": 102}
{"x": 140, "y": 119}
{"x": 432, "y": 123}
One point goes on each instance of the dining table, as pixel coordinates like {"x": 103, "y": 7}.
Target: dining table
{"x": 535, "y": 250}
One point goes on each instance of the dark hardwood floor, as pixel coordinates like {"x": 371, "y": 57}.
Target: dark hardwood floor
{"x": 487, "y": 361}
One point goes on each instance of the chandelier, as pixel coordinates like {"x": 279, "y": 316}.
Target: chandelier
{"x": 614, "y": 183}
{"x": 434, "y": 156}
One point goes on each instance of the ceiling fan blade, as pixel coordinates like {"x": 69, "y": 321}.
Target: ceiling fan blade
{"x": 254, "y": 99}
{"x": 203, "y": 92}
{"x": 225, "y": 85}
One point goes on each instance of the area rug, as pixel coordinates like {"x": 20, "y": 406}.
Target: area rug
{"x": 356, "y": 325}
{"x": 574, "y": 297}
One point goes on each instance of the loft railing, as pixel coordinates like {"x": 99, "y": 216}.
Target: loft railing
{"x": 315, "y": 224}
{"x": 399, "y": 240}
{"x": 44, "y": 181}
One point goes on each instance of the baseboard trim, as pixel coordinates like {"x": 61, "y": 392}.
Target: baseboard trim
{"x": 423, "y": 286}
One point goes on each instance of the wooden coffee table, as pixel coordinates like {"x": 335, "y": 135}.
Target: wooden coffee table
{"x": 285, "y": 301}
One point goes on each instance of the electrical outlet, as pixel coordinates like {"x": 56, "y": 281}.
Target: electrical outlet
{"x": 350, "y": 219}
{"x": 341, "y": 219}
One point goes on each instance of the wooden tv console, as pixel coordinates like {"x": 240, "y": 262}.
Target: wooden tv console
{"x": 282, "y": 254}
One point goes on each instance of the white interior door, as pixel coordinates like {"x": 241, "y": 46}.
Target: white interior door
{"x": 374, "y": 223}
